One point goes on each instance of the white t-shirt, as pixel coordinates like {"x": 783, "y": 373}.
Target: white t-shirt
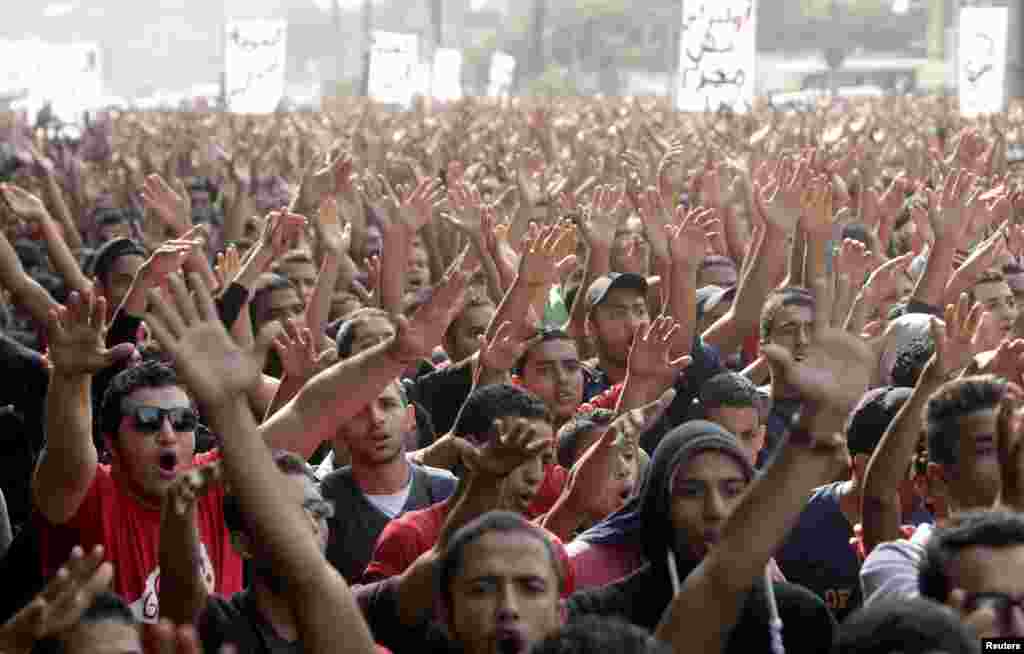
{"x": 891, "y": 569}
{"x": 391, "y": 505}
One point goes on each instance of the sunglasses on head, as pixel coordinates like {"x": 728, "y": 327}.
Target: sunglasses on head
{"x": 150, "y": 419}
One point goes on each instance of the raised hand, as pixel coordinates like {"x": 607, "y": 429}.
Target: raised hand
{"x": 168, "y": 258}
{"x": 468, "y": 206}
{"x": 504, "y": 349}
{"x": 602, "y": 219}
{"x": 540, "y": 261}
{"x": 949, "y": 207}
{"x": 189, "y": 328}
{"x": 516, "y": 442}
{"x": 192, "y": 484}
{"x": 590, "y": 475}
{"x": 279, "y": 229}
{"x": 23, "y": 204}
{"x": 61, "y": 603}
{"x": 172, "y": 207}
{"x": 779, "y": 201}
{"x": 956, "y": 342}
{"x": 296, "y": 348}
{"x": 816, "y": 200}
{"x": 883, "y": 283}
{"x": 77, "y": 336}
{"x": 687, "y": 239}
{"x": 332, "y": 236}
{"x": 229, "y": 262}
{"x": 836, "y": 367}
{"x": 421, "y": 332}
{"x": 655, "y": 217}
{"x": 854, "y": 260}
{"x": 650, "y": 355}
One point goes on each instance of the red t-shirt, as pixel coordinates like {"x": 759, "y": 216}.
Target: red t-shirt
{"x": 555, "y": 478}
{"x": 407, "y": 537}
{"x": 130, "y": 534}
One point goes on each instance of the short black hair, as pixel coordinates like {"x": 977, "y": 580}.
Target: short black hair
{"x": 954, "y": 400}
{"x": 600, "y": 635}
{"x": 110, "y": 252}
{"x": 473, "y": 301}
{"x": 911, "y": 358}
{"x": 106, "y": 607}
{"x": 150, "y": 373}
{"x": 856, "y": 232}
{"x": 779, "y": 298}
{"x": 869, "y": 420}
{"x": 731, "y": 390}
{"x": 977, "y": 528}
{"x": 500, "y": 521}
{"x": 913, "y": 625}
{"x": 568, "y": 439}
{"x": 493, "y": 401}
{"x": 346, "y": 337}
{"x": 546, "y": 334}
{"x": 287, "y": 462}
{"x": 265, "y": 285}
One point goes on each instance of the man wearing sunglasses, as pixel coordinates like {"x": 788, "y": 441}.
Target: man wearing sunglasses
{"x": 147, "y": 422}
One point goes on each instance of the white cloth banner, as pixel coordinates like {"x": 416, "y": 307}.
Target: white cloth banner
{"x": 503, "y": 68}
{"x": 395, "y": 71}
{"x": 717, "y": 55}
{"x": 981, "y": 65}
{"x": 68, "y": 76}
{"x": 447, "y": 75}
{"x": 254, "y": 61}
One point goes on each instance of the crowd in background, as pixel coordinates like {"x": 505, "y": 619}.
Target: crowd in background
{"x": 561, "y": 375}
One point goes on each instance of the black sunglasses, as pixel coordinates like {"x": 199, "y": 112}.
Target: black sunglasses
{"x": 150, "y": 419}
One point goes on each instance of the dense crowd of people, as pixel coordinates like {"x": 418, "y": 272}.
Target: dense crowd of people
{"x": 561, "y": 375}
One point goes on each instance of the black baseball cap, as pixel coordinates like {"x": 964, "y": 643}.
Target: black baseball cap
{"x": 602, "y": 286}
{"x": 710, "y": 296}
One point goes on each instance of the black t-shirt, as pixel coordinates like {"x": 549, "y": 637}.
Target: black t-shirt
{"x": 442, "y": 394}
{"x": 236, "y": 621}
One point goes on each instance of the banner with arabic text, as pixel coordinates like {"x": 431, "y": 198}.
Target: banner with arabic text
{"x": 396, "y": 74}
{"x": 717, "y": 55}
{"x": 254, "y": 61}
{"x": 981, "y": 66}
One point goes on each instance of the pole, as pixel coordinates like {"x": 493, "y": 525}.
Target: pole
{"x": 367, "y": 46}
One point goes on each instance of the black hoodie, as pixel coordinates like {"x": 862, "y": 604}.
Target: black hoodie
{"x": 643, "y": 597}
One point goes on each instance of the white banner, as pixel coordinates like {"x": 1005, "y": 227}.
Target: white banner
{"x": 503, "y": 69}
{"x": 717, "y": 55}
{"x": 981, "y": 74}
{"x": 254, "y": 61}
{"x": 68, "y": 76}
{"x": 395, "y": 71}
{"x": 447, "y": 75}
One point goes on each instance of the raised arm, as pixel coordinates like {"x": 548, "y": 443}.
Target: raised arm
{"x": 182, "y": 591}
{"x": 831, "y": 378}
{"x": 219, "y": 373}
{"x": 342, "y": 390}
{"x": 888, "y": 464}
{"x": 30, "y": 208}
{"x": 68, "y": 464}
{"x": 778, "y": 204}
{"x": 26, "y": 292}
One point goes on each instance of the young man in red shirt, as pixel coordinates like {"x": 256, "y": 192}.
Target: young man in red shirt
{"x": 148, "y": 422}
